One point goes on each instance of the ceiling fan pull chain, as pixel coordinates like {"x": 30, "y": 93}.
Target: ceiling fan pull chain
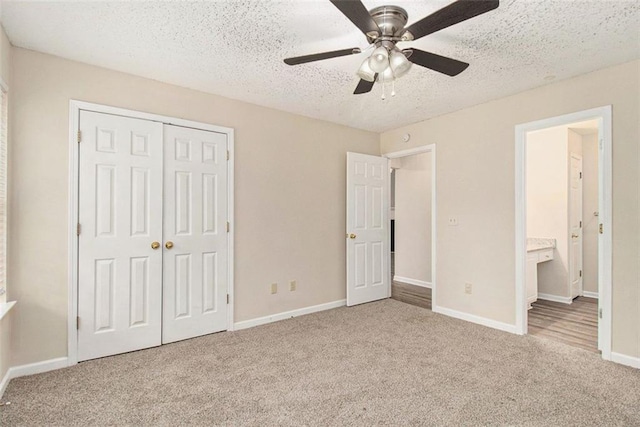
{"x": 383, "y": 97}
{"x": 393, "y": 87}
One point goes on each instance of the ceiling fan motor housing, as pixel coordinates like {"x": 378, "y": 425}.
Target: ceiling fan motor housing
{"x": 391, "y": 21}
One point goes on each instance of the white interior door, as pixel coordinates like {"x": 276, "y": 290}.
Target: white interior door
{"x": 195, "y": 233}
{"x": 575, "y": 224}
{"x": 120, "y": 215}
{"x": 368, "y": 277}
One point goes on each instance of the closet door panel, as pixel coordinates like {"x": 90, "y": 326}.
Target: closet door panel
{"x": 120, "y": 215}
{"x": 195, "y": 233}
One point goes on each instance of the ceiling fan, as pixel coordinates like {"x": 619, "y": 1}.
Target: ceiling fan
{"x": 384, "y": 26}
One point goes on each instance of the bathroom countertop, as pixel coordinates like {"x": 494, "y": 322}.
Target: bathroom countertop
{"x": 536, "y": 244}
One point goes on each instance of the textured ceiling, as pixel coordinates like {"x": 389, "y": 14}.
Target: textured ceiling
{"x": 236, "y": 48}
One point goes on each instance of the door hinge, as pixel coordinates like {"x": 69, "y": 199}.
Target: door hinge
{"x": 228, "y": 155}
{"x": 601, "y": 229}
{"x": 601, "y": 144}
{"x": 228, "y": 226}
{"x": 227, "y": 298}
{"x": 580, "y": 273}
{"x": 580, "y": 224}
{"x": 78, "y": 229}
{"x": 78, "y": 322}
{"x": 600, "y": 313}
{"x": 580, "y": 175}
{"x": 79, "y": 136}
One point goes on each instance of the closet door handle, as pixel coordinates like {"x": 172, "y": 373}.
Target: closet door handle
{"x": 168, "y": 245}
{"x": 155, "y": 245}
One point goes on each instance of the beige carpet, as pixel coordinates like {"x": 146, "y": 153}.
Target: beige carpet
{"x": 384, "y": 363}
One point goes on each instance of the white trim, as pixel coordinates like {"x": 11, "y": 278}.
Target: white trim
{"x": 72, "y": 268}
{"x": 410, "y": 281}
{"x": 431, "y": 148}
{"x": 555, "y": 298}
{"x": 623, "y": 359}
{"x": 4, "y": 383}
{"x": 5, "y": 307}
{"x": 589, "y": 294}
{"x": 475, "y": 319}
{"x": 31, "y": 369}
{"x": 410, "y": 152}
{"x": 288, "y": 314}
{"x": 605, "y": 240}
{"x": 603, "y": 114}
{"x": 232, "y": 228}
{"x": 74, "y": 120}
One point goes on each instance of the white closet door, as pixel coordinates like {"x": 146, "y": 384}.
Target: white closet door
{"x": 575, "y": 224}
{"x": 120, "y": 214}
{"x": 195, "y": 233}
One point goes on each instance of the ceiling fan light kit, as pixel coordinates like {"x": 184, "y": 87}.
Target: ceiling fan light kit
{"x": 384, "y": 26}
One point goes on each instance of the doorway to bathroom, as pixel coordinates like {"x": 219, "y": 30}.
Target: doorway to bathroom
{"x": 412, "y": 216}
{"x": 563, "y": 229}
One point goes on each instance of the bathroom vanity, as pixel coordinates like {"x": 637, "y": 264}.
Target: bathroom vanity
{"x": 538, "y": 250}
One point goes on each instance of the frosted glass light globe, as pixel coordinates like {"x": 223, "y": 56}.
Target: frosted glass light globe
{"x": 365, "y": 72}
{"x": 386, "y": 76}
{"x": 399, "y": 63}
{"x": 379, "y": 60}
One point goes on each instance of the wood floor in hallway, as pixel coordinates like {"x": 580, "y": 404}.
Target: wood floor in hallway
{"x": 411, "y": 294}
{"x": 573, "y": 324}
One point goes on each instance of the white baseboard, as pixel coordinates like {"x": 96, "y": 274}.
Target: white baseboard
{"x": 4, "y": 383}
{"x": 287, "y": 314}
{"x": 31, "y": 369}
{"x": 412, "y": 281}
{"x": 555, "y": 298}
{"x": 590, "y": 294}
{"x": 623, "y": 359}
{"x": 476, "y": 319}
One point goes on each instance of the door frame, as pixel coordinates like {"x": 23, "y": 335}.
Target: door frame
{"x": 603, "y": 115}
{"x": 569, "y": 232}
{"x": 75, "y": 107}
{"x": 431, "y": 148}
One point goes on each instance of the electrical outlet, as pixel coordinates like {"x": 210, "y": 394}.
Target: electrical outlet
{"x": 274, "y": 288}
{"x": 467, "y": 288}
{"x": 453, "y": 221}
{"x": 292, "y": 285}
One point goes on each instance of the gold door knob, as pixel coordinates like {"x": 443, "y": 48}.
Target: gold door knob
{"x": 168, "y": 245}
{"x": 352, "y": 236}
{"x": 575, "y": 236}
{"x": 155, "y": 245}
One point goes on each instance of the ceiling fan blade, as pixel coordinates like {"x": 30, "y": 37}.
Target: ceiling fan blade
{"x": 441, "y": 64}
{"x": 320, "y": 56}
{"x": 456, "y": 12}
{"x": 364, "y": 86}
{"x": 358, "y": 14}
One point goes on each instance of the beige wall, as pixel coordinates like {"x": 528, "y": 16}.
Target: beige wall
{"x": 589, "y": 206}
{"x": 5, "y": 323}
{"x": 547, "y": 206}
{"x": 475, "y": 175}
{"x": 289, "y": 194}
{"x": 413, "y": 217}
